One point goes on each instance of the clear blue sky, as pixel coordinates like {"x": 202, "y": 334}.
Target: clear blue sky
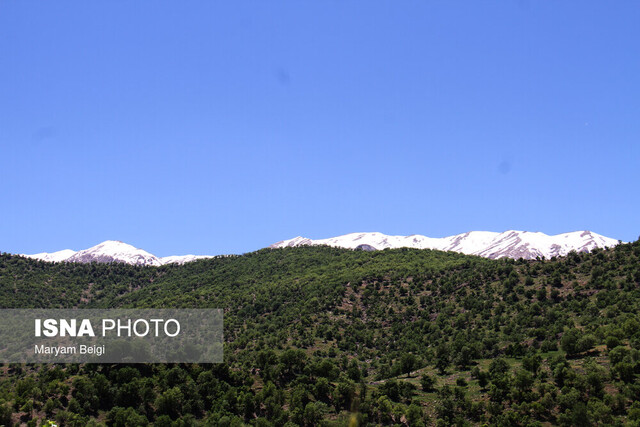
{"x": 221, "y": 127}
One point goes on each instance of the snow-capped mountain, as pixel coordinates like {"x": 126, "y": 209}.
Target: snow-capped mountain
{"x": 114, "y": 251}
{"x": 512, "y": 244}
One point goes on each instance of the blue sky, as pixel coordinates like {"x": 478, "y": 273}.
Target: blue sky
{"x": 221, "y": 127}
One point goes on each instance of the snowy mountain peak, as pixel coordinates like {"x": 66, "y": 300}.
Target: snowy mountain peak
{"x": 511, "y": 243}
{"x": 114, "y": 251}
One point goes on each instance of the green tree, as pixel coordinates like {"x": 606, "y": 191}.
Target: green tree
{"x": 569, "y": 341}
{"x": 408, "y": 362}
{"x": 428, "y": 383}
{"x": 443, "y": 355}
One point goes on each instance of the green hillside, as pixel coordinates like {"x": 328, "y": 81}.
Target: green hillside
{"x": 326, "y": 336}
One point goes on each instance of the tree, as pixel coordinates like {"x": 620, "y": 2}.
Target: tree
{"x": 408, "y": 363}
{"x": 428, "y": 383}
{"x": 121, "y": 417}
{"x": 322, "y": 390}
{"x": 353, "y": 371}
{"x": 483, "y": 378}
{"x": 465, "y": 356}
{"x": 532, "y": 363}
{"x": 612, "y": 342}
{"x": 569, "y": 341}
{"x": 313, "y": 413}
{"x": 415, "y": 415}
{"x": 170, "y": 403}
{"x": 443, "y": 355}
{"x": 579, "y": 415}
{"x": 498, "y": 368}
{"x": 625, "y": 371}
{"x": 343, "y": 395}
{"x": 523, "y": 381}
{"x": 5, "y": 415}
{"x": 586, "y": 343}
{"x": 248, "y": 406}
{"x": 384, "y": 410}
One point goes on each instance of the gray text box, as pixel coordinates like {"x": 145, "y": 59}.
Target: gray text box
{"x": 111, "y": 336}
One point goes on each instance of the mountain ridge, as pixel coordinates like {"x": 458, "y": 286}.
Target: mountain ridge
{"x": 510, "y": 244}
{"x": 114, "y": 251}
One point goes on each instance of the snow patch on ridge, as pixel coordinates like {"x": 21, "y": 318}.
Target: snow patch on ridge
{"x": 181, "y": 259}
{"x": 54, "y": 256}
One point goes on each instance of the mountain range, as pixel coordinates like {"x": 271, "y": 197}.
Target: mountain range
{"x": 114, "y": 251}
{"x": 511, "y": 244}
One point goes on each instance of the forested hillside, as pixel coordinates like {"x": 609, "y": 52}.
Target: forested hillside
{"x": 319, "y": 335}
